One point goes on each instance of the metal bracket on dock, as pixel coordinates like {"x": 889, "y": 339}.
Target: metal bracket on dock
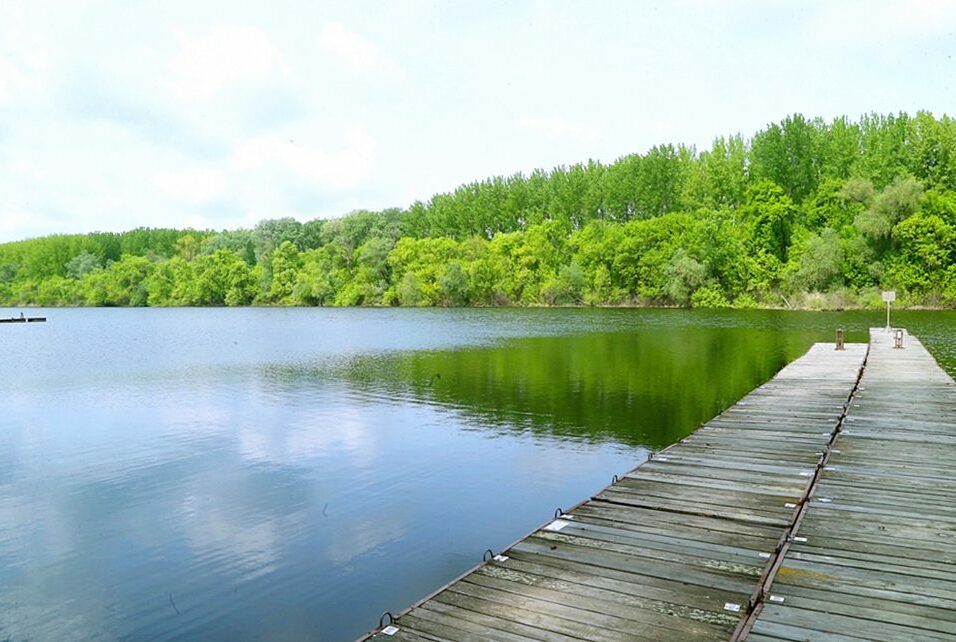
{"x": 490, "y": 555}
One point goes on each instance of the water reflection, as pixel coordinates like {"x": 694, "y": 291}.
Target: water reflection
{"x": 259, "y": 474}
{"x": 646, "y": 387}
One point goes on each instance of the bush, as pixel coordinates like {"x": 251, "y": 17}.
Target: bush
{"x": 709, "y": 297}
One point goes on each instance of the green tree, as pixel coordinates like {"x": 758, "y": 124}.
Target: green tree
{"x": 285, "y": 268}
{"x": 566, "y": 287}
{"x": 454, "y": 285}
{"x": 222, "y": 278}
{"x": 926, "y": 247}
{"x": 769, "y": 214}
{"x": 818, "y": 264}
{"x": 684, "y": 276}
{"x": 81, "y": 265}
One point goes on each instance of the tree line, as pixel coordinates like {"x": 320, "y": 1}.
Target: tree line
{"x": 805, "y": 213}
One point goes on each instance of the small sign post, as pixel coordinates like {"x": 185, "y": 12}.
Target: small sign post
{"x": 889, "y": 296}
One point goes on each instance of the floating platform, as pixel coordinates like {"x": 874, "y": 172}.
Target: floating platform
{"x": 23, "y": 320}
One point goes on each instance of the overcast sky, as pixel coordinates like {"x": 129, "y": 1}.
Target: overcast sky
{"x": 115, "y": 115}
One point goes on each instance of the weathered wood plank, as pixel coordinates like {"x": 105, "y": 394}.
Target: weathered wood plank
{"x": 879, "y": 630}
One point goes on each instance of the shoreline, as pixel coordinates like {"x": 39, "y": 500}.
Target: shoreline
{"x": 609, "y": 306}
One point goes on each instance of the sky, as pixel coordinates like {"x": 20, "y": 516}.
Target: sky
{"x": 215, "y": 115}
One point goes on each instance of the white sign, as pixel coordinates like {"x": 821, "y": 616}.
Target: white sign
{"x": 889, "y": 296}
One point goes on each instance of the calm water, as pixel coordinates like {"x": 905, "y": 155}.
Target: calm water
{"x": 289, "y": 474}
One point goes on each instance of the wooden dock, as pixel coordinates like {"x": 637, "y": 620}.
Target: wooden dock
{"x": 874, "y": 557}
{"x": 23, "y": 319}
{"x": 809, "y": 510}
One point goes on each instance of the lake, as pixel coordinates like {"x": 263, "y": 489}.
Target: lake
{"x": 286, "y": 474}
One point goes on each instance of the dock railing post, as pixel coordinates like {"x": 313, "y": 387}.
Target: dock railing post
{"x": 839, "y": 339}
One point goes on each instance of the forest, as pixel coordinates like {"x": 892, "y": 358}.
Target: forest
{"x": 806, "y": 213}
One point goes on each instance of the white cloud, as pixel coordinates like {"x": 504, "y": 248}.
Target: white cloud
{"x": 340, "y": 169}
{"x": 24, "y": 55}
{"x": 560, "y": 129}
{"x": 921, "y": 17}
{"x": 193, "y": 185}
{"x": 14, "y": 223}
{"x": 13, "y": 80}
{"x": 354, "y": 51}
{"x": 225, "y": 57}
{"x": 882, "y": 23}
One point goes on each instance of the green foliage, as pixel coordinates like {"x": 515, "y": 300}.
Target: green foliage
{"x": 684, "y": 275}
{"x": 787, "y": 155}
{"x": 857, "y": 190}
{"x": 239, "y": 241}
{"x": 839, "y": 209}
{"x": 222, "y": 278}
{"x": 745, "y": 302}
{"x": 566, "y": 287}
{"x": 836, "y": 203}
{"x": 769, "y": 215}
{"x": 926, "y": 249}
{"x": 316, "y": 282}
{"x": 425, "y": 259}
{"x": 709, "y": 297}
{"x": 286, "y": 264}
{"x": 410, "y": 291}
{"x": 818, "y": 263}
{"x": 81, "y": 265}
{"x": 122, "y": 282}
{"x": 454, "y": 285}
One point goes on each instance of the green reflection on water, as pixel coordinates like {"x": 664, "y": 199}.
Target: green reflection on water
{"x": 646, "y": 386}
